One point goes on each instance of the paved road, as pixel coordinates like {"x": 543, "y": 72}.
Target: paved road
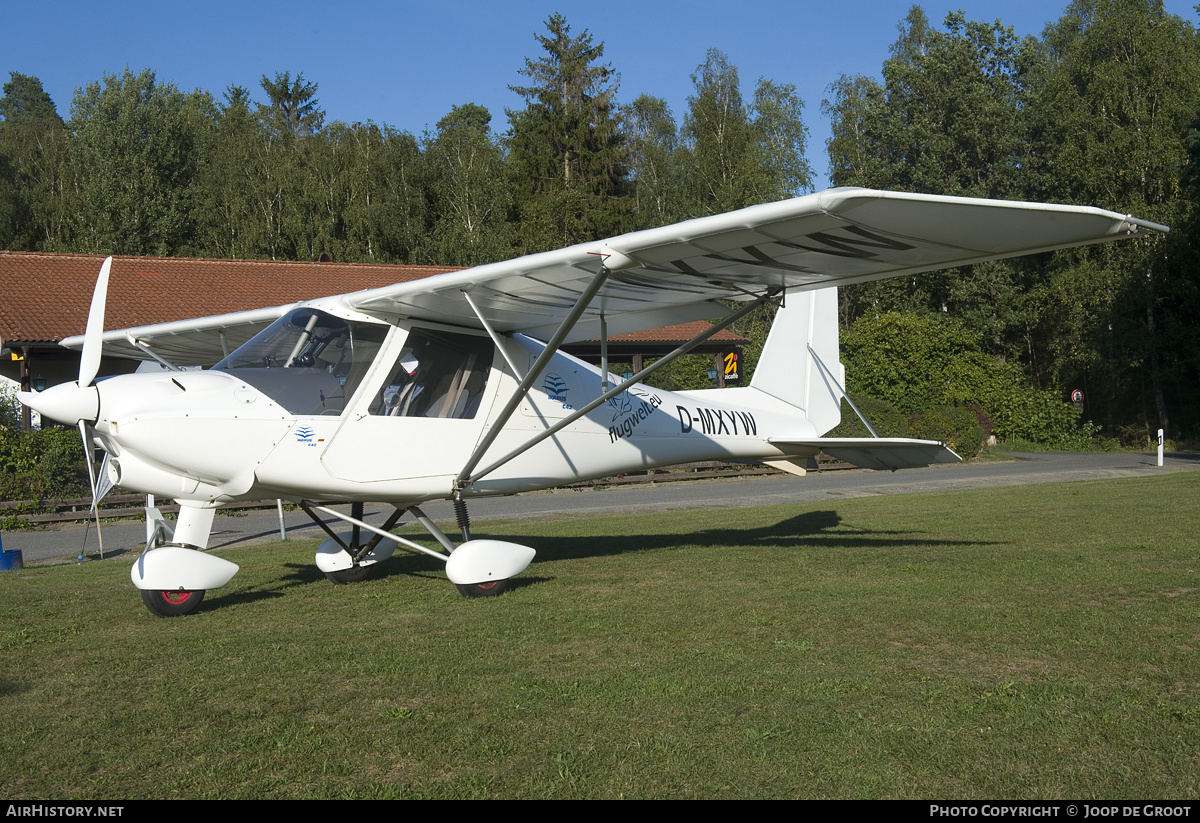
{"x": 66, "y": 543}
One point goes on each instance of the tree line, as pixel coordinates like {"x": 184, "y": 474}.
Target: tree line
{"x": 140, "y": 167}
{"x": 1103, "y": 108}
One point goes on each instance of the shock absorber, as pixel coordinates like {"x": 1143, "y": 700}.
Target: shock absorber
{"x": 461, "y": 516}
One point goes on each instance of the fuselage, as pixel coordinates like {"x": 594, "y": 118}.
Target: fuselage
{"x": 328, "y": 404}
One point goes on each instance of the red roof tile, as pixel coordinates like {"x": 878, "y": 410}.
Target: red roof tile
{"x": 46, "y": 297}
{"x": 676, "y": 333}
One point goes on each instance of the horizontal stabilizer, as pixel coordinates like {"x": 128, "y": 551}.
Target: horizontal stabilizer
{"x": 878, "y": 452}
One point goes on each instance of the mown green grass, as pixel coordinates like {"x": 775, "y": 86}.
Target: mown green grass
{"x": 1031, "y": 642}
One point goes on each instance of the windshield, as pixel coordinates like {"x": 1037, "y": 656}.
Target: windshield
{"x": 308, "y": 361}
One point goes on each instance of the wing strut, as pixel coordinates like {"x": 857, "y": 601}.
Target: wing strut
{"x": 492, "y": 334}
{"x": 465, "y": 478}
{"x": 527, "y": 381}
{"x": 133, "y": 341}
{"x": 603, "y": 354}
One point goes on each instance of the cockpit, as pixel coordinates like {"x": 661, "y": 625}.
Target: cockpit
{"x": 308, "y": 361}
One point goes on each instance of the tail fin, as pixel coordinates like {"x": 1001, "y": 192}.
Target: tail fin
{"x": 799, "y": 363}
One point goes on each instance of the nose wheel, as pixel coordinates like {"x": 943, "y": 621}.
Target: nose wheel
{"x": 172, "y": 603}
{"x": 492, "y": 588}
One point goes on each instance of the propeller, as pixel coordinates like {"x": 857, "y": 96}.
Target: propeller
{"x": 89, "y": 365}
{"x": 85, "y": 431}
{"x": 79, "y": 402}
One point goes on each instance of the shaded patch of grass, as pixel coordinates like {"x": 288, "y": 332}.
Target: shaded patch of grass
{"x": 1019, "y": 642}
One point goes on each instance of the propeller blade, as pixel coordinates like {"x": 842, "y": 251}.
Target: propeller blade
{"x": 89, "y": 360}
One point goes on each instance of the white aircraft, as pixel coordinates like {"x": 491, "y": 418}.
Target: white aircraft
{"x": 443, "y": 388}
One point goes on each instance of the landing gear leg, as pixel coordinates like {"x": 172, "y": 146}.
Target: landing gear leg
{"x": 479, "y": 568}
{"x": 490, "y": 588}
{"x": 356, "y": 573}
{"x": 192, "y": 528}
{"x": 493, "y": 586}
{"x": 351, "y": 545}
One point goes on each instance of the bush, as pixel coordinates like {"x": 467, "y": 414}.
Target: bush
{"x": 885, "y": 418}
{"x": 927, "y": 364}
{"x": 957, "y": 427}
{"x": 41, "y": 464}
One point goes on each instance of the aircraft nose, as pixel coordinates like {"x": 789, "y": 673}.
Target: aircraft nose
{"x": 66, "y": 402}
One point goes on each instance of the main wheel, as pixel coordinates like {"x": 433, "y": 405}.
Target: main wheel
{"x": 492, "y": 588}
{"x": 172, "y": 603}
{"x": 355, "y": 574}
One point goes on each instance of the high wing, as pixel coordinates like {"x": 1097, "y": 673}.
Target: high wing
{"x": 676, "y": 273}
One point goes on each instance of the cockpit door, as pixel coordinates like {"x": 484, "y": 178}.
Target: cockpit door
{"x": 424, "y": 416}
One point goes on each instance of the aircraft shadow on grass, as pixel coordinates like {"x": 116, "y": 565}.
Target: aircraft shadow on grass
{"x": 817, "y": 531}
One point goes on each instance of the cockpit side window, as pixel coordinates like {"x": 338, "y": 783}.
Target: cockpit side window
{"x": 308, "y": 361}
{"x": 438, "y": 374}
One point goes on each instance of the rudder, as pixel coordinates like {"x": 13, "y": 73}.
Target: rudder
{"x": 799, "y": 363}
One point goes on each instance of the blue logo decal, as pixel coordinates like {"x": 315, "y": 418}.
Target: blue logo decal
{"x": 556, "y": 388}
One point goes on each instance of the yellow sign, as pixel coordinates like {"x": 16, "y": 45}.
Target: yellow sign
{"x": 731, "y": 366}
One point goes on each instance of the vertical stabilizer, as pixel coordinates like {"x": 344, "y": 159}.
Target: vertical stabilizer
{"x": 799, "y": 363}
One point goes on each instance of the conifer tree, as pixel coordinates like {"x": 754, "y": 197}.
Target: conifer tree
{"x": 566, "y": 147}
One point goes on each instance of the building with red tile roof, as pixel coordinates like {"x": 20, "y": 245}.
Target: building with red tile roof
{"x": 46, "y": 297}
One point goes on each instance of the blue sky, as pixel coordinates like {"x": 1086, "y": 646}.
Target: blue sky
{"x": 405, "y": 63}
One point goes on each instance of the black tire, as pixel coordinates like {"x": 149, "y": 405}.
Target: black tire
{"x": 172, "y": 603}
{"x": 492, "y": 588}
{"x": 355, "y": 574}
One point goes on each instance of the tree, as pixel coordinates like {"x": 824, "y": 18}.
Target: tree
{"x": 733, "y": 155}
{"x": 226, "y": 211}
{"x": 25, "y": 100}
{"x": 133, "y": 163}
{"x": 653, "y": 162}
{"x": 1120, "y": 86}
{"x": 566, "y": 147}
{"x": 403, "y": 213}
{"x": 950, "y": 117}
{"x": 856, "y": 112}
{"x": 718, "y": 136}
{"x": 469, "y": 191}
{"x": 29, "y": 137}
{"x": 782, "y": 136}
{"x": 292, "y": 109}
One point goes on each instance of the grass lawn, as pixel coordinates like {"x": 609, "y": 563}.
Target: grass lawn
{"x": 1029, "y": 642}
